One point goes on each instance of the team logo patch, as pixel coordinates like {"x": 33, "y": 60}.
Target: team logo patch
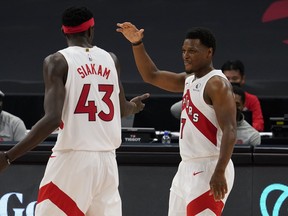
{"x": 197, "y": 87}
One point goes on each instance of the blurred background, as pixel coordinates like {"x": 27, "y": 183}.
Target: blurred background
{"x": 254, "y": 32}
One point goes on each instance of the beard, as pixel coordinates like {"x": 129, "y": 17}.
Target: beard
{"x": 189, "y": 71}
{"x": 235, "y": 84}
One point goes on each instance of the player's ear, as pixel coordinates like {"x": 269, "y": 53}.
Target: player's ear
{"x": 91, "y": 33}
{"x": 210, "y": 52}
{"x": 243, "y": 80}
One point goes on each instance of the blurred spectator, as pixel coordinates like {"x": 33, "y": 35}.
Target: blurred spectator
{"x": 12, "y": 128}
{"x": 246, "y": 134}
{"x": 176, "y": 109}
{"x": 234, "y": 71}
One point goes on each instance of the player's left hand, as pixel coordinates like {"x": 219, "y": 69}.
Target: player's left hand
{"x": 138, "y": 101}
{"x": 218, "y": 186}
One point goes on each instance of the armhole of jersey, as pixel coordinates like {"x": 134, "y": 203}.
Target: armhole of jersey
{"x": 118, "y": 78}
{"x": 67, "y": 61}
{"x": 214, "y": 74}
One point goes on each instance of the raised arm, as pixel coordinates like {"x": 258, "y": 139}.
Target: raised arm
{"x": 54, "y": 72}
{"x": 166, "y": 80}
{"x": 219, "y": 93}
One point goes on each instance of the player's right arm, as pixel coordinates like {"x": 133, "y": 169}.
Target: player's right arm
{"x": 166, "y": 80}
{"x": 54, "y": 71}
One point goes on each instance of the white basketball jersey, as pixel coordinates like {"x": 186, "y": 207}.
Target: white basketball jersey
{"x": 91, "y": 113}
{"x": 200, "y": 134}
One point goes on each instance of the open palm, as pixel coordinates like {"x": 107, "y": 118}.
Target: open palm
{"x": 130, "y": 31}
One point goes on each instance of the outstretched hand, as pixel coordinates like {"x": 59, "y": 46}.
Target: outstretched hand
{"x": 130, "y": 31}
{"x": 138, "y": 101}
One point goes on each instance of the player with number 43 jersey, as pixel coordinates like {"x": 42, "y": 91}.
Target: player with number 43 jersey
{"x": 91, "y": 102}
{"x": 85, "y": 100}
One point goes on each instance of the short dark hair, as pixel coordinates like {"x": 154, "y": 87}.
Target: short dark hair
{"x": 74, "y": 16}
{"x": 239, "y": 91}
{"x": 234, "y": 65}
{"x": 204, "y": 35}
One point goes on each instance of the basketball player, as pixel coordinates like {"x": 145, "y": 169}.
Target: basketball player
{"x": 208, "y": 122}
{"x": 82, "y": 93}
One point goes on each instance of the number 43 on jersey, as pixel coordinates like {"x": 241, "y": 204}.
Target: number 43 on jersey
{"x": 89, "y": 107}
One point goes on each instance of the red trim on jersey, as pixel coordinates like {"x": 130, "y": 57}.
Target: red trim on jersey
{"x": 80, "y": 28}
{"x": 205, "y": 201}
{"x": 203, "y": 124}
{"x": 53, "y": 193}
{"x": 61, "y": 126}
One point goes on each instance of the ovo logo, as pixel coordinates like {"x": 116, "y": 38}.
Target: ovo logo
{"x": 263, "y": 199}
